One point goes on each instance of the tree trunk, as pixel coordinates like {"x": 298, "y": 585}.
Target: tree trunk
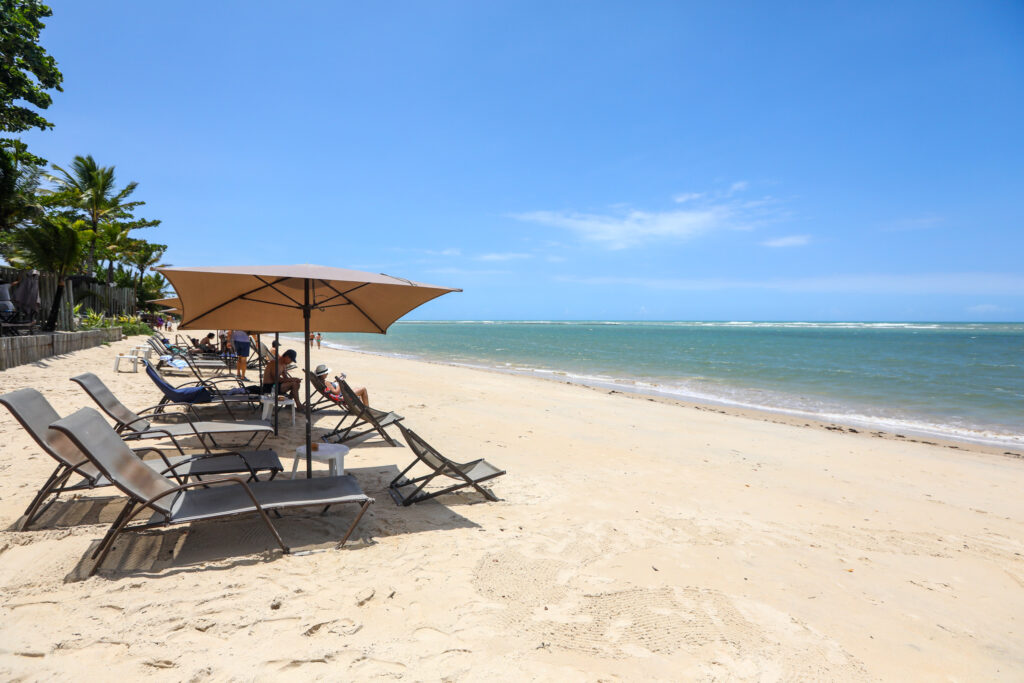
{"x": 51, "y": 320}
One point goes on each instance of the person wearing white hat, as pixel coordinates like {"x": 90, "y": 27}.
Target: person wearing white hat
{"x": 334, "y": 388}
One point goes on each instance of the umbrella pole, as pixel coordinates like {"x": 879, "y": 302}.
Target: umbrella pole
{"x": 277, "y": 371}
{"x": 309, "y": 431}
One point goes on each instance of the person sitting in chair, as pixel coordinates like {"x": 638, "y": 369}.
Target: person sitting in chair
{"x": 334, "y": 388}
{"x": 276, "y": 372}
{"x": 208, "y": 344}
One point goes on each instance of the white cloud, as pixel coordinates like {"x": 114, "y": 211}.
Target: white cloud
{"x": 507, "y": 256}
{"x": 932, "y": 283}
{"x": 467, "y": 271}
{"x": 789, "y": 241}
{"x": 635, "y": 227}
{"x": 621, "y": 227}
{"x": 444, "y": 252}
{"x": 985, "y": 308}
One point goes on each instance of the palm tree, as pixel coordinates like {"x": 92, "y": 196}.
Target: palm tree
{"x": 55, "y": 245}
{"x": 89, "y": 188}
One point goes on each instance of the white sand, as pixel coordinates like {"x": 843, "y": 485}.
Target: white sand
{"x": 634, "y": 539}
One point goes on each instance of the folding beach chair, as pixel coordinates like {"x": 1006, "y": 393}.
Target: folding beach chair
{"x": 325, "y": 399}
{"x": 35, "y": 414}
{"x": 174, "y": 503}
{"x": 200, "y": 392}
{"x": 139, "y": 427}
{"x": 467, "y": 474}
{"x": 360, "y": 415}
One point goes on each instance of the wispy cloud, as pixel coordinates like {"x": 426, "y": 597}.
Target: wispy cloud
{"x": 467, "y": 271}
{"x": 505, "y": 256}
{"x": 789, "y": 241}
{"x": 444, "y": 252}
{"x": 981, "y": 284}
{"x": 622, "y": 227}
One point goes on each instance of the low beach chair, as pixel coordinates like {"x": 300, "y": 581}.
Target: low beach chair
{"x": 197, "y": 393}
{"x": 325, "y": 399}
{"x": 34, "y": 412}
{"x": 172, "y": 503}
{"x": 467, "y": 474}
{"x": 360, "y": 415}
{"x": 139, "y": 427}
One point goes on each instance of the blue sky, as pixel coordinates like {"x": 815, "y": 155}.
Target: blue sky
{"x": 574, "y": 160}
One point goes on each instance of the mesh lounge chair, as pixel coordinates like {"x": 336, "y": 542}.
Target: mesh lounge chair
{"x": 36, "y": 414}
{"x": 173, "y": 503}
{"x": 361, "y": 415}
{"x": 326, "y": 399}
{"x": 468, "y": 474}
{"x": 139, "y": 427}
{"x": 201, "y": 392}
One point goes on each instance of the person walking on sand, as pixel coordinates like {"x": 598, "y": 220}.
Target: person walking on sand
{"x": 318, "y": 337}
{"x": 239, "y": 341}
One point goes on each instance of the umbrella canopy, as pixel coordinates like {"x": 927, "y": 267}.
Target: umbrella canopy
{"x": 295, "y": 297}
{"x": 172, "y": 304}
{"x": 272, "y": 298}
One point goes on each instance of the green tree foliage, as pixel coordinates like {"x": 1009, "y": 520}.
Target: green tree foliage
{"x": 54, "y": 244}
{"x": 90, "y": 189}
{"x": 26, "y": 71}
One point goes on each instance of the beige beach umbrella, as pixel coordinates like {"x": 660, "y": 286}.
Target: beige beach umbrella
{"x": 172, "y": 304}
{"x": 295, "y": 297}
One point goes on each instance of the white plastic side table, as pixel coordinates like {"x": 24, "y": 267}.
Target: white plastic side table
{"x": 331, "y": 453}
{"x": 268, "y": 406}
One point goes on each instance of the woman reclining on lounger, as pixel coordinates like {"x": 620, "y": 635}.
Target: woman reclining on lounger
{"x": 334, "y": 388}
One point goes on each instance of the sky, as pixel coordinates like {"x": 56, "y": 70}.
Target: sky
{"x": 573, "y": 160}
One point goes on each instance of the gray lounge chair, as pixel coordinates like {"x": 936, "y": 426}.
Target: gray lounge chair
{"x": 361, "y": 415}
{"x": 35, "y": 414}
{"x": 139, "y": 427}
{"x": 325, "y": 400}
{"x": 173, "y": 503}
{"x": 468, "y": 474}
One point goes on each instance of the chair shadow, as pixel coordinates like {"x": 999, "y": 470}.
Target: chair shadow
{"x": 244, "y": 540}
{"x": 71, "y": 512}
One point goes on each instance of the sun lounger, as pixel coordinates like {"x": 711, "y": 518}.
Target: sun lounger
{"x": 325, "y": 399}
{"x": 138, "y": 426}
{"x": 174, "y": 503}
{"x": 36, "y": 414}
{"x": 467, "y": 474}
{"x": 198, "y": 392}
{"x": 360, "y": 415}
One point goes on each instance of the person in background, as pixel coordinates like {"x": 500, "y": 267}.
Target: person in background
{"x": 239, "y": 340}
{"x": 208, "y": 344}
{"x": 334, "y": 388}
{"x": 318, "y": 338}
{"x": 276, "y": 373}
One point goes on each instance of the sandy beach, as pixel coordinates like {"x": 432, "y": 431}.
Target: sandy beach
{"x": 634, "y": 539}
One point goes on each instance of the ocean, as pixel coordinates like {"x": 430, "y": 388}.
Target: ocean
{"x": 961, "y": 381}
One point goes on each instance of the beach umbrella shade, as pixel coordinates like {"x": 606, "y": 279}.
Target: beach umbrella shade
{"x": 172, "y": 304}
{"x": 295, "y": 297}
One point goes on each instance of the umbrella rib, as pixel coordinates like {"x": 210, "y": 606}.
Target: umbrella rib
{"x": 354, "y": 304}
{"x": 241, "y": 296}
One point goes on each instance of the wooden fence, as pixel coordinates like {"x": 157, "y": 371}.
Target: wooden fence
{"x": 99, "y": 297}
{"x": 20, "y": 350}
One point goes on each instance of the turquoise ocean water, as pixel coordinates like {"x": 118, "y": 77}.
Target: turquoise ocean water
{"x": 955, "y": 380}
